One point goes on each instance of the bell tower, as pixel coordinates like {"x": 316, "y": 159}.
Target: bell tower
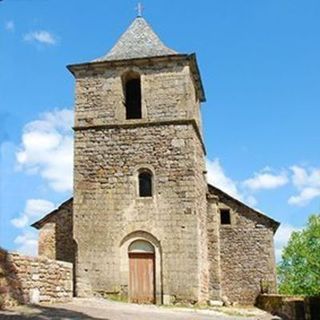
{"x": 139, "y": 172}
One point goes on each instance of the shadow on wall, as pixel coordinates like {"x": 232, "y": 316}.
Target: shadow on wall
{"x": 290, "y": 307}
{"x": 11, "y": 292}
{"x": 43, "y": 313}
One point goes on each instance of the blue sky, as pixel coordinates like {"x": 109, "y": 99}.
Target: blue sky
{"x": 260, "y": 67}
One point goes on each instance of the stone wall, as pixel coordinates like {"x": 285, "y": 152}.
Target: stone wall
{"x": 287, "y": 307}
{"x": 167, "y": 91}
{"x": 213, "y": 225}
{"x": 109, "y": 152}
{"x": 56, "y": 234}
{"x": 246, "y": 252}
{"x": 32, "y": 280}
{"x": 290, "y": 307}
{"x": 107, "y": 207}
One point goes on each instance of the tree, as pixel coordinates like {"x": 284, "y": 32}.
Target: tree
{"x": 299, "y": 270}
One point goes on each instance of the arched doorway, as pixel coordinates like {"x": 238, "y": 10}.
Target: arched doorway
{"x": 141, "y": 272}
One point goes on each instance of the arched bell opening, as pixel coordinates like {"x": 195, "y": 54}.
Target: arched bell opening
{"x": 131, "y": 82}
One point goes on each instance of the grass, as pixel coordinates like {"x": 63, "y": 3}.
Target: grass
{"x": 225, "y": 310}
{"x": 114, "y": 297}
{"x": 230, "y": 311}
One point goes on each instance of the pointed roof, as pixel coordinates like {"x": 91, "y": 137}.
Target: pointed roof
{"x": 138, "y": 41}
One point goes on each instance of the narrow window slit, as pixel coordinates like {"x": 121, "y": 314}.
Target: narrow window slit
{"x": 225, "y": 216}
{"x": 145, "y": 184}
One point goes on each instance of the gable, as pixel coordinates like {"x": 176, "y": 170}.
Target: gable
{"x": 52, "y": 216}
{"x": 257, "y": 217}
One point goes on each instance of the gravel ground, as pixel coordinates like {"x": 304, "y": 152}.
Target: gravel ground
{"x": 109, "y": 310}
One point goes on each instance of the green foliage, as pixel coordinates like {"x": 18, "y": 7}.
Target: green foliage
{"x": 299, "y": 270}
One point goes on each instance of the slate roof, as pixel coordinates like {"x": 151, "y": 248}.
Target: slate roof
{"x": 138, "y": 41}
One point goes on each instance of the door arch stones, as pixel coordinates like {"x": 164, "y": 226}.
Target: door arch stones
{"x": 144, "y": 245}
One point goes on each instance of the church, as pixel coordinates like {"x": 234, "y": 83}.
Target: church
{"x": 143, "y": 222}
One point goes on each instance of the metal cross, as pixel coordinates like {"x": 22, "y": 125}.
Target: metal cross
{"x": 139, "y": 9}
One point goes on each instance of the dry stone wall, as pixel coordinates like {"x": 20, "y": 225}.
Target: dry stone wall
{"x": 32, "y": 280}
{"x": 290, "y": 307}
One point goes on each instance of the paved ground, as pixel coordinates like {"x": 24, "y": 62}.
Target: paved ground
{"x": 93, "y": 309}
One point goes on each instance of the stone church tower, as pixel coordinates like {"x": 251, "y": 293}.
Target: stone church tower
{"x": 143, "y": 222}
{"x": 139, "y": 171}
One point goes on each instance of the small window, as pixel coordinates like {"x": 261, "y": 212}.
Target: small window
{"x": 145, "y": 184}
{"x": 225, "y": 216}
{"x": 132, "y": 93}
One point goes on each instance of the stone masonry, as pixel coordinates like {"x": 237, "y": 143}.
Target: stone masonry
{"x": 109, "y": 152}
{"x": 196, "y": 258}
{"x": 55, "y": 237}
{"x": 246, "y": 250}
{"x": 33, "y": 280}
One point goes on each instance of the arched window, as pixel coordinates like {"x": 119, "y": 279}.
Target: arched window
{"x": 145, "y": 184}
{"x": 132, "y": 93}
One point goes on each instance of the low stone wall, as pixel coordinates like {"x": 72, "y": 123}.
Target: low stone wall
{"x": 290, "y": 307}
{"x": 32, "y": 280}
{"x": 312, "y": 308}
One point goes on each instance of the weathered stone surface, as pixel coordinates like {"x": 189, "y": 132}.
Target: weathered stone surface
{"x": 288, "y": 307}
{"x": 246, "y": 251}
{"x": 33, "y": 280}
{"x": 56, "y": 234}
{"x": 110, "y": 150}
{"x": 196, "y": 258}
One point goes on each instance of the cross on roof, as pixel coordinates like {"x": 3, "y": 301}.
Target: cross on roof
{"x": 139, "y": 9}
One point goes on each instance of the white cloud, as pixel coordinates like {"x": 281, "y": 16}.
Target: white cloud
{"x": 42, "y": 36}
{"x": 307, "y": 183}
{"x": 265, "y": 179}
{"x": 10, "y": 26}
{"x": 47, "y": 149}
{"x": 281, "y": 238}
{"x": 34, "y": 209}
{"x": 27, "y": 243}
{"x": 217, "y": 177}
{"x": 304, "y": 197}
{"x": 21, "y": 221}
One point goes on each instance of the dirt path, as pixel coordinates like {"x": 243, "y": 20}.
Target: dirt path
{"x": 93, "y": 309}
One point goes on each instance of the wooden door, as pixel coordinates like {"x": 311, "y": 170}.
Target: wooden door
{"x": 141, "y": 278}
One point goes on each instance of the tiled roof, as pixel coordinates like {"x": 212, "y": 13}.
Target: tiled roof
{"x": 138, "y": 41}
